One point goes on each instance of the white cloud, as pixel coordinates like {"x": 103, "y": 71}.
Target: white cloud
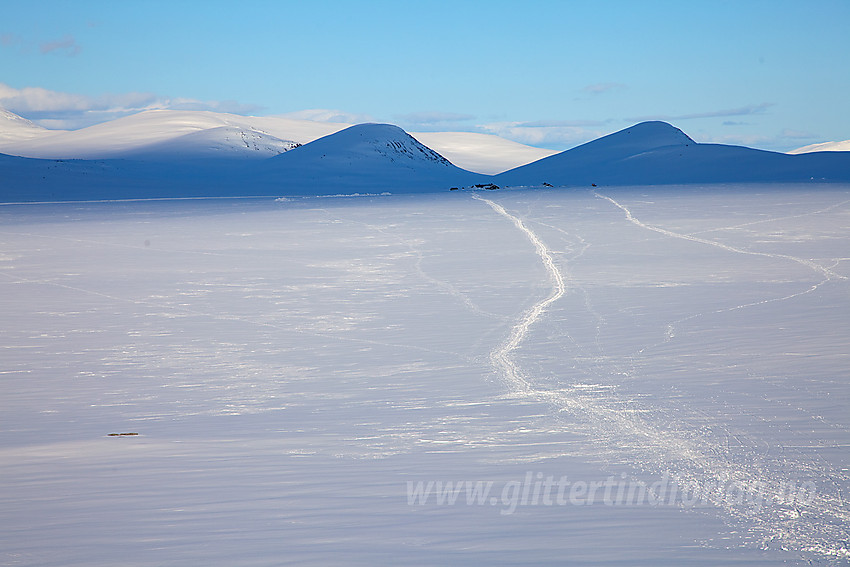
{"x": 36, "y": 100}
{"x": 60, "y": 110}
{"x": 554, "y": 134}
{"x": 230, "y": 106}
{"x": 327, "y": 115}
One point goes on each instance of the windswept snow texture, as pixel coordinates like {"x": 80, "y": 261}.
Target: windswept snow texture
{"x": 656, "y": 153}
{"x": 295, "y": 369}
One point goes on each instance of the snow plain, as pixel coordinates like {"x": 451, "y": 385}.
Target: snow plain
{"x": 294, "y": 367}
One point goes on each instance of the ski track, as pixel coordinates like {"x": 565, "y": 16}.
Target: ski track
{"x": 501, "y": 357}
{"x": 826, "y": 272}
{"x": 774, "y": 219}
{"x": 694, "y": 457}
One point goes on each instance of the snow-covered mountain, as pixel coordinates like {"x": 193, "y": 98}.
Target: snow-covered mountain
{"x": 169, "y": 135}
{"x": 222, "y": 142}
{"x": 364, "y": 157}
{"x": 656, "y": 153}
{"x": 15, "y": 129}
{"x": 823, "y": 147}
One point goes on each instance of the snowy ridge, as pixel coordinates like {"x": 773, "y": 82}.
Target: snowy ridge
{"x": 634, "y": 140}
{"x": 221, "y": 142}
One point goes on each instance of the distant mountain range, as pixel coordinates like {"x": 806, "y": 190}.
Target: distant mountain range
{"x": 174, "y": 135}
{"x": 195, "y": 154}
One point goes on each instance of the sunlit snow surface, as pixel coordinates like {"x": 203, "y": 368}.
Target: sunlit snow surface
{"x": 289, "y": 366}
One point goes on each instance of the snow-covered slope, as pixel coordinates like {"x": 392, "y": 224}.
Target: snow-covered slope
{"x": 364, "y": 157}
{"x": 30, "y": 179}
{"x": 482, "y": 153}
{"x": 823, "y": 147}
{"x": 15, "y": 129}
{"x": 177, "y": 134}
{"x": 164, "y": 134}
{"x": 652, "y": 153}
{"x": 173, "y": 135}
{"x": 223, "y": 142}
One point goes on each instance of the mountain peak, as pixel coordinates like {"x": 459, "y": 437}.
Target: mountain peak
{"x": 656, "y": 153}
{"x": 644, "y": 136}
{"x": 601, "y": 154}
{"x": 365, "y": 156}
{"x": 381, "y": 141}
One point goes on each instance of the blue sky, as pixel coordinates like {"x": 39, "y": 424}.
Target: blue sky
{"x": 768, "y": 74}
